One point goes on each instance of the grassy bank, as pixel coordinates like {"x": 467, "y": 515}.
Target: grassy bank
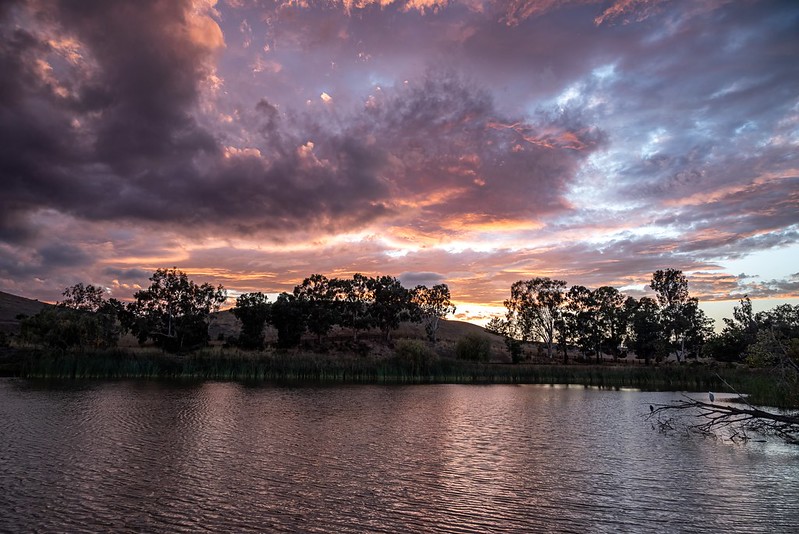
{"x": 315, "y": 368}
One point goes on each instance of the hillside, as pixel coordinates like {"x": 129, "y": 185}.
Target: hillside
{"x": 224, "y": 324}
{"x": 11, "y": 306}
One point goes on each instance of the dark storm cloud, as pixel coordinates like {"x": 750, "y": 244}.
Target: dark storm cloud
{"x": 77, "y": 132}
{"x": 120, "y": 140}
{"x": 147, "y": 158}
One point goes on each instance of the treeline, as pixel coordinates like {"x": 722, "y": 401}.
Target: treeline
{"x": 605, "y": 321}
{"x": 359, "y": 304}
{"x": 173, "y": 313}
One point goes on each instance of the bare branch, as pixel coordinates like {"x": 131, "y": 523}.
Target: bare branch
{"x": 714, "y": 417}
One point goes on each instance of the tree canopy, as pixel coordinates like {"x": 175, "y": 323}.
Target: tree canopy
{"x": 173, "y": 312}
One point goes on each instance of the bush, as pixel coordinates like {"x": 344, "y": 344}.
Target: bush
{"x": 473, "y": 347}
{"x": 414, "y": 356}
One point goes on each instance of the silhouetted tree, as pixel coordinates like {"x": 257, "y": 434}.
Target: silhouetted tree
{"x": 253, "y": 310}
{"x": 85, "y": 298}
{"x": 739, "y": 332}
{"x": 676, "y": 308}
{"x": 289, "y": 317}
{"x": 174, "y": 311}
{"x": 392, "y": 303}
{"x": 84, "y": 319}
{"x": 353, "y": 298}
{"x": 322, "y": 312}
{"x": 648, "y": 336}
{"x": 502, "y": 327}
{"x": 534, "y": 309}
{"x": 434, "y": 304}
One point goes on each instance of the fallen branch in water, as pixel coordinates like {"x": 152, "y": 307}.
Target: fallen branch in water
{"x": 714, "y": 417}
{"x": 737, "y": 420}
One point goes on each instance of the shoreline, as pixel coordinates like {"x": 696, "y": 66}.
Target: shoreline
{"x": 313, "y": 368}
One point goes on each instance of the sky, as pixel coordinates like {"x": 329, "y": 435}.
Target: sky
{"x": 475, "y": 143}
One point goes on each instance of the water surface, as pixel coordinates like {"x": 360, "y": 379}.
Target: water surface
{"x": 148, "y": 456}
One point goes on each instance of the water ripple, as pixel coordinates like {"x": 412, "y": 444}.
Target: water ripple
{"x": 220, "y": 457}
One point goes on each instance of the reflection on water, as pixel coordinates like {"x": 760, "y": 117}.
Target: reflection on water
{"x": 138, "y": 456}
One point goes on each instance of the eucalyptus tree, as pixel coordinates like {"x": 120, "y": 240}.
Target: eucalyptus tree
{"x": 738, "y": 334}
{"x": 391, "y": 304}
{"x": 434, "y": 304}
{"x": 253, "y": 310}
{"x": 611, "y": 318}
{"x": 318, "y": 294}
{"x": 535, "y": 307}
{"x": 577, "y": 324}
{"x": 174, "y": 311}
{"x": 353, "y": 298}
{"x": 671, "y": 289}
{"x": 684, "y": 323}
{"x": 288, "y": 315}
{"x": 648, "y": 338}
{"x": 506, "y": 329}
{"x": 83, "y": 297}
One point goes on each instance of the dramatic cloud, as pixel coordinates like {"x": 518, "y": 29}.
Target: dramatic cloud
{"x": 472, "y": 142}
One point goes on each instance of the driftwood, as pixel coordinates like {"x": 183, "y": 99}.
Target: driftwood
{"x": 713, "y": 417}
{"x": 736, "y": 417}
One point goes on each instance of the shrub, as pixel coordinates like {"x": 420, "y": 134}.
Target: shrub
{"x": 414, "y": 356}
{"x": 473, "y": 347}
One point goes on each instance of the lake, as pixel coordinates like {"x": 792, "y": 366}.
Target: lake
{"x": 139, "y": 456}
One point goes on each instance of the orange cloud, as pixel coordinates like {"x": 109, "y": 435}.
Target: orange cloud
{"x": 550, "y": 138}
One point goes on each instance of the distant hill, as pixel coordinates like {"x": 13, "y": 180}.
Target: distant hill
{"x": 11, "y": 306}
{"x": 226, "y": 325}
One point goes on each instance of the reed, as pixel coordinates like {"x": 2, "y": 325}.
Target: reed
{"x": 298, "y": 367}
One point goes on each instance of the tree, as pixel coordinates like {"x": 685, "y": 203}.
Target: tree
{"x": 317, "y": 293}
{"x": 698, "y": 329}
{"x": 570, "y": 322}
{"x": 84, "y": 319}
{"x": 579, "y": 321}
{"x": 503, "y": 328}
{"x": 353, "y": 299}
{"x": 782, "y": 320}
{"x": 497, "y": 325}
{"x": 671, "y": 287}
{"x": 174, "y": 311}
{"x": 738, "y": 333}
{"x": 391, "y": 304}
{"x": 253, "y": 310}
{"x": 648, "y": 338}
{"x": 777, "y": 339}
{"x": 535, "y": 307}
{"x": 289, "y": 318}
{"x": 434, "y": 304}
{"x": 611, "y": 318}
{"x": 85, "y": 298}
